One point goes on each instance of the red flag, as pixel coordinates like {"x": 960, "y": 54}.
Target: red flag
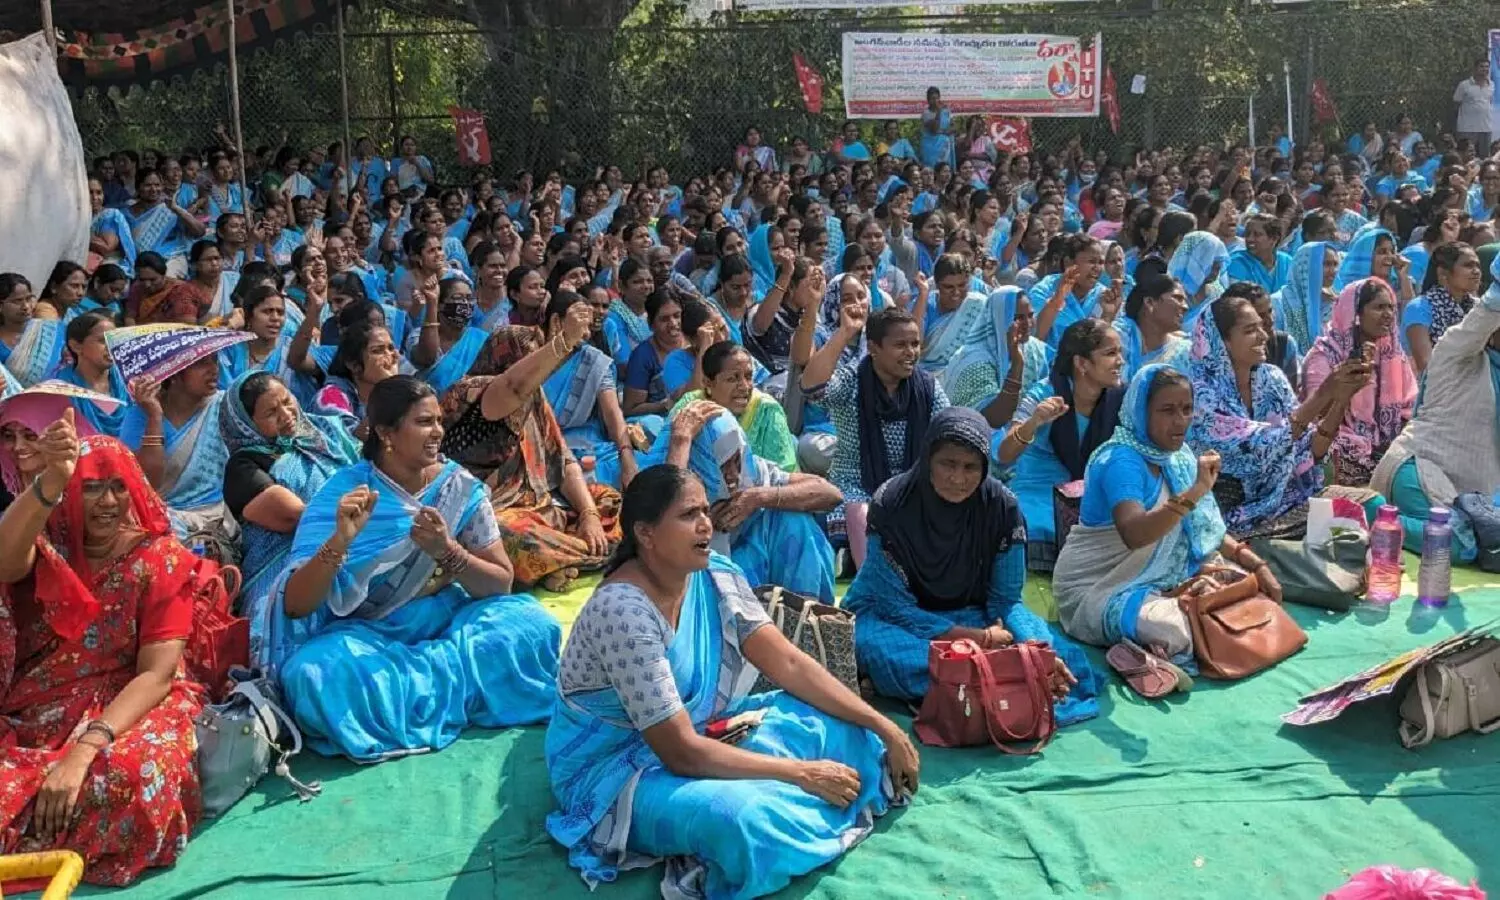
{"x": 473, "y": 136}
{"x": 1322, "y": 101}
{"x": 1011, "y": 134}
{"x": 1110, "y": 100}
{"x": 812, "y": 83}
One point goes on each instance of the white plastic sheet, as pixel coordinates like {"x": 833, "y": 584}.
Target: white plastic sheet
{"x": 44, "y": 197}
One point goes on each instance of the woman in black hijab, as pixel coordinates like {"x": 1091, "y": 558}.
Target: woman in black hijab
{"x": 947, "y": 561}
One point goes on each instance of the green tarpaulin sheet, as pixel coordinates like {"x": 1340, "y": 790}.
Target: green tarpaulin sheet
{"x": 1206, "y": 796}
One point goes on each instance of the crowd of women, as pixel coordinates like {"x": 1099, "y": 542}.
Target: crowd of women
{"x": 907, "y": 358}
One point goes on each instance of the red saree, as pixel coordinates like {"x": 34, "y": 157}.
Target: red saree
{"x": 69, "y": 638}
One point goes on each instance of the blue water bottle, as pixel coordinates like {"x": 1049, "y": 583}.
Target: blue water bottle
{"x": 1435, "y": 580}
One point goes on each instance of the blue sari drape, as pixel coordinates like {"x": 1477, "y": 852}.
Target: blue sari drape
{"x": 234, "y": 362}
{"x": 1073, "y": 309}
{"x": 103, "y": 422}
{"x": 112, "y": 221}
{"x": 36, "y": 355}
{"x": 619, "y": 807}
{"x": 455, "y": 362}
{"x": 1297, "y": 308}
{"x": 573, "y": 393}
{"x": 381, "y": 669}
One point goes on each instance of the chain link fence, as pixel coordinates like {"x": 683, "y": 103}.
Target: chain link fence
{"x": 682, "y": 95}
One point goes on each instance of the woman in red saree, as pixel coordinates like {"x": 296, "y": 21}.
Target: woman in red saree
{"x": 96, "y": 716}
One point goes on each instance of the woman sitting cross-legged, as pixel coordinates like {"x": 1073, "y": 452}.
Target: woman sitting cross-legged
{"x": 763, "y": 515}
{"x": 660, "y": 662}
{"x": 278, "y": 457}
{"x": 96, "y": 714}
{"x": 947, "y": 560}
{"x": 556, "y": 524}
{"x": 1147, "y": 524}
{"x": 396, "y": 600}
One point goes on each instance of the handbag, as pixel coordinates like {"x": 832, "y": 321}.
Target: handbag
{"x": 1067, "y": 506}
{"x": 220, "y": 639}
{"x": 1484, "y": 518}
{"x": 1000, "y": 696}
{"x": 826, "y": 633}
{"x": 1237, "y": 630}
{"x": 238, "y": 738}
{"x": 1457, "y": 692}
{"x": 1328, "y": 576}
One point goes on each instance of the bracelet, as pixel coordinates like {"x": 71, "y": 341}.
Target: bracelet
{"x": 153, "y": 440}
{"x": 429, "y": 324}
{"x": 1023, "y": 441}
{"x": 455, "y": 562}
{"x": 101, "y": 728}
{"x": 590, "y": 513}
{"x": 328, "y": 555}
{"x": 36, "y": 491}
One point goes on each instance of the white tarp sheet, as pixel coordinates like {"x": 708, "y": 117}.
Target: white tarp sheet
{"x": 44, "y": 191}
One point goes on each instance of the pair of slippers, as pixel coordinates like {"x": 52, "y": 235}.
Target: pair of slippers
{"x": 1150, "y": 674}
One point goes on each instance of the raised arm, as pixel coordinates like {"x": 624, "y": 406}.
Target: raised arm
{"x": 27, "y": 515}
{"x": 821, "y": 365}
{"x": 508, "y": 390}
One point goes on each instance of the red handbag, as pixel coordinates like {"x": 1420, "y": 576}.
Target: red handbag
{"x": 978, "y": 696}
{"x": 220, "y": 639}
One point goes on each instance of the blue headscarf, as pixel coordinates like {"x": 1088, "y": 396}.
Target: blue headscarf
{"x": 1192, "y": 264}
{"x": 1359, "y": 262}
{"x": 1204, "y": 525}
{"x": 1299, "y": 305}
{"x": 762, "y": 265}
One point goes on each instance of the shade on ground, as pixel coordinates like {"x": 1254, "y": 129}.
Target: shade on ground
{"x": 1206, "y": 796}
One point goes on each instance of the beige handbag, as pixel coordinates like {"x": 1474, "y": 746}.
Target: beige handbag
{"x": 826, "y": 633}
{"x": 1454, "y": 693}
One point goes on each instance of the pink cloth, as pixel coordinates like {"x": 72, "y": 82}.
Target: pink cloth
{"x": 34, "y": 412}
{"x": 1391, "y": 883}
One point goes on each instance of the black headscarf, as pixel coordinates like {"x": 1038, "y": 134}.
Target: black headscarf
{"x": 912, "y": 403}
{"x": 1071, "y": 451}
{"x": 947, "y": 550}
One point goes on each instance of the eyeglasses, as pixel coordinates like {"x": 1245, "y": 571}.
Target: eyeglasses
{"x": 93, "y": 490}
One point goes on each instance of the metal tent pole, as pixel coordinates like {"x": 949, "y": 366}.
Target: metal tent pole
{"x": 344, "y": 87}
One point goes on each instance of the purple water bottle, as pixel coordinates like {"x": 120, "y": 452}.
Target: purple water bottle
{"x": 1435, "y": 580}
{"x": 1383, "y": 575}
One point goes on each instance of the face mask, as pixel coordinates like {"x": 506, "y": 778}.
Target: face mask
{"x": 457, "y": 311}
{"x": 1087, "y": 178}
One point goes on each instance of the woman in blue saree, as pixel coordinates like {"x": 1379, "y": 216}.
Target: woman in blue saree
{"x": 951, "y": 313}
{"x": 109, "y": 232}
{"x": 1072, "y": 294}
{"x": 582, "y": 395}
{"x": 625, "y": 325}
{"x": 636, "y": 777}
{"x": 159, "y": 225}
{"x": 937, "y": 131}
{"x": 1373, "y": 255}
{"x": 1148, "y": 523}
{"x": 1303, "y": 306}
{"x": 1058, "y": 424}
{"x": 264, "y": 309}
{"x": 279, "y": 458}
{"x": 448, "y": 344}
{"x": 999, "y": 357}
{"x": 92, "y": 368}
{"x": 947, "y": 561}
{"x": 173, "y": 428}
{"x": 396, "y": 601}
{"x": 1198, "y": 265}
{"x": 1151, "y": 328}
{"x": 763, "y": 515}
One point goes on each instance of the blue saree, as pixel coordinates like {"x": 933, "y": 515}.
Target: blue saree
{"x": 1359, "y": 262}
{"x": 892, "y": 633}
{"x": 1073, "y": 309}
{"x": 943, "y": 333}
{"x": 304, "y": 462}
{"x": 112, "y": 221}
{"x": 573, "y": 393}
{"x": 235, "y": 362}
{"x": 772, "y": 546}
{"x": 36, "y": 355}
{"x": 976, "y": 374}
{"x": 1199, "y": 264}
{"x": 1174, "y": 351}
{"x": 620, "y": 808}
{"x": 386, "y": 667}
{"x": 624, "y": 329}
{"x": 103, "y": 422}
{"x": 194, "y": 477}
{"x": 455, "y": 362}
{"x": 1298, "y": 307}
{"x": 157, "y": 230}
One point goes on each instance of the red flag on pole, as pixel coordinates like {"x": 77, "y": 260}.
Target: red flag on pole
{"x": 473, "y": 136}
{"x": 812, "y": 83}
{"x": 1011, "y": 134}
{"x": 1110, "y": 100}
{"x": 1322, "y": 101}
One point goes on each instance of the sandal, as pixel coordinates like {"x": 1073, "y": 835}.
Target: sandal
{"x": 1184, "y": 680}
{"x": 1147, "y": 674}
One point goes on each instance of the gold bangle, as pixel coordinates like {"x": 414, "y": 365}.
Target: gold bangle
{"x": 329, "y": 556}
{"x": 1023, "y": 441}
{"x": 590, "y": 513}
{"x": 153, "y": 440}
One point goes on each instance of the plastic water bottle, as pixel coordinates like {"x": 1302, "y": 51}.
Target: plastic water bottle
{"x": 1435, "y": 581}
{"x": 1383, "y": 575}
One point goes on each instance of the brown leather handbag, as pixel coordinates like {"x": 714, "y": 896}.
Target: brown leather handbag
{"x": 1237, "y": 630}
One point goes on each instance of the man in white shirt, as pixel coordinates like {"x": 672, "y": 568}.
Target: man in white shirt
{"x": 1475, "y": 98}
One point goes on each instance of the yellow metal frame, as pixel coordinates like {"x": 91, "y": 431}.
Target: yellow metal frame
{"x": 64, "y": 867}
